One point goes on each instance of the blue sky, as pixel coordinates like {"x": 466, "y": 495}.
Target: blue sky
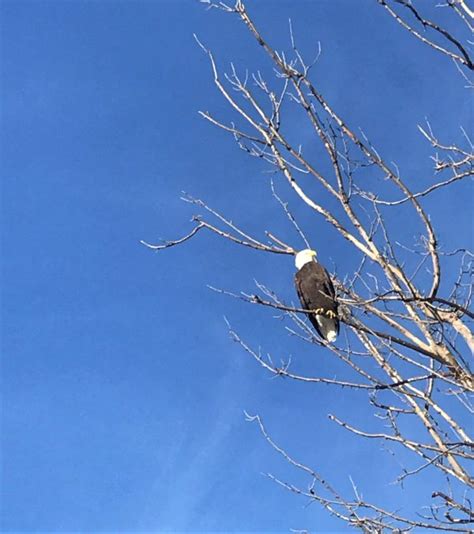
{"x": 122, "y": 394}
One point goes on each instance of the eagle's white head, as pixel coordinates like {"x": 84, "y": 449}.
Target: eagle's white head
{"x": 303, "y": 257}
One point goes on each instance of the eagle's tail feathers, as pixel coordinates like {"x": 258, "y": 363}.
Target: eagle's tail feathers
{"x": 327, "y": 326}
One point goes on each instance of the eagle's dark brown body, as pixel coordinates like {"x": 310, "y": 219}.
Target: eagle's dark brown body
{"x": 316, "y": 292}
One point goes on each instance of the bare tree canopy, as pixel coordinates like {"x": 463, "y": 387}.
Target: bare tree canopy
{"x": 405, "y": 309}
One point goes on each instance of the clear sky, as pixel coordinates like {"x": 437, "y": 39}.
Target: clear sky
{"x": 123, "y": 396}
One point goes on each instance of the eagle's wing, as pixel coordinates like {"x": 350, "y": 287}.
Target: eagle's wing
{"x": 306, "y": 303}
{"x": 329, "y": 287}
{"x": 329, "y": 290}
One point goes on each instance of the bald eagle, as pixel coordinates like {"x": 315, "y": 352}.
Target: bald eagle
{"x": 316, "y": 292}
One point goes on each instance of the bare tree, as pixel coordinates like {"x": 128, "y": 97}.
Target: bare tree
{"x": 407, "y": 342}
